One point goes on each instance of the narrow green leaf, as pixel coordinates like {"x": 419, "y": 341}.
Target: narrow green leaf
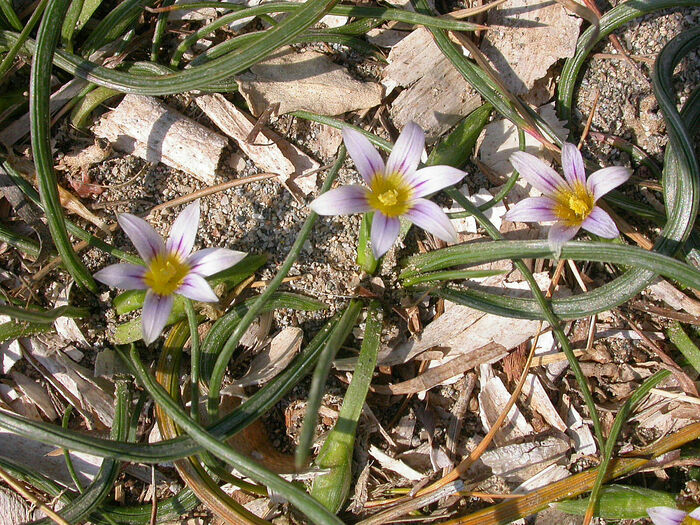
{"x": 316, "y": 512}
{"x": 684, "y": 344}
{"x": 242, "y": 416}
{"x": 458, "y": 146}
{"x": 318, "y": 381}
{"x": 620, "y": 420}
{"x": 40, "y": 80}
{"x": 365, "y": 256}
{"x": 228, "y": 349}
{"x": 479, "y": 253}
{"x": 43, "y": 316}
{"x": 620, "y": 502}
{"x": 332, "y": 488}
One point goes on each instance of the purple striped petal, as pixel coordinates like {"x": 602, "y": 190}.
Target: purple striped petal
{"x": 559, "y": 233}
{"x": 407, "y": 151}
{"x": 428, "y": 215}
{"x": 124, "y": 276}
{"x": 537, "y": 173}
{"x": 532, "y": 209}
{"x": 213, "y": 260}
{"x": 572, "y": 164}
{"x": 156, "y": 309}
{"x": 195, "y": 287}
{"x": 367, "y": 159}
{"x": 183, "y": 231}
{"x": 666, "y": 515}
{"x": 434, "y": 178}
{"x": 600, "y": 223}
{"x": 695, "y": 514}
{"x": 342, "y": 201}
{"x": 602, "y": 181}
{"x": 385, "y": 230}
{"x": 146, "y": 240}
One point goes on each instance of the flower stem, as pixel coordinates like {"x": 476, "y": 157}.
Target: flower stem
{"x": 194, "y": 354}
{"x": 547, "y": 312}
{"x": 256, "y": 308}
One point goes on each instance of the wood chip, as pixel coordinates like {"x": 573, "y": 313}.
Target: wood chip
{"x": 500, "y": 140}
{"x": 10, "y": 353}
{"x": 395, "y": 465}
{"x": 14, "y": 510}
{"x": 36, "y": 393}
{"x": 73, "y": 381}
{"x": 269, "y": 151}
{"x": 273, "y": 359}
{"x": 536, "y": 399}
{"x": 666, "y": 292}
{"x": 578, "y": 430}
{"x": 41, "y": 458}
{"x": 525, "y": 38}
{"x": 145, "y": 127}
{"x": 492, "y": 400}
{"x": 307, "y": 81}
{"x": 462, "y": 329}
{"x": 519, "y": 462}
{"x": 437, "y": 95}
{"x": 440, "y": 374}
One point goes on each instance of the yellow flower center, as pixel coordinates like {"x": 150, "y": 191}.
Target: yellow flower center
{"x": 390, "y": 195}
{"x": 166, "y": 273}
{"x": 688, "y": 520}
{"x": 574, "y": 205}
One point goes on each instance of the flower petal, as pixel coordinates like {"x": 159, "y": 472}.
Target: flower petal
{"x": 695, "y": 514}
{"x": 559, "y": 233}
{"x": 367, "y": 159}
{"x": 428, "y": 215}
{"x": 385, "y": 230}
{"x": 434, "y": 178}
{"x": 156, "y": 309}
{"x": 183, "y": 231}
{"x": 666, "y": 515}
{"x": 407, "y": 151}
{"x": 124, "y": 276}
{"x": 602, "y": 181}
{"x": 572, "y": 164}
{"x": 213, "y": 260}
{"x": 146, "y": 240}
{"x": 195, "y": 287}
{"x": 532, "y": 209}
{"x": 537, "y": 173}
{"x": 600, "y": 223}
{"x": 342, "y": 201}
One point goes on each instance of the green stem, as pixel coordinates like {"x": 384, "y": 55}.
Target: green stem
{"x": 546, "y": 310}
{"x": 195, "y": 359}
{"x": 9, "y": 59}
{"x": 319, "y": 378}
{"x": 66, "y": 453}
{"x": 231, "y": 344}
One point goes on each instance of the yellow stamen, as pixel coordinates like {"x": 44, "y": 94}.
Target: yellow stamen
{"x": 390, "y": 195}
{"x": 166, "y": 273}
{"x": 574, "y": 205}
{"x": 688, "y": 520}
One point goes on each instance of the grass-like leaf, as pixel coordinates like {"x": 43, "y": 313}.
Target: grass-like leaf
{"x": 47, "y": 39}
{"x": 332, "y": 488}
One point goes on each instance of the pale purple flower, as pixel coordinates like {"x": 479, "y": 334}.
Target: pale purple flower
{"x": 170, "y": 267}
{"x": 569, "y": 202}
{"x": 395, "y": 189}
{"x": 671, "y": 516}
